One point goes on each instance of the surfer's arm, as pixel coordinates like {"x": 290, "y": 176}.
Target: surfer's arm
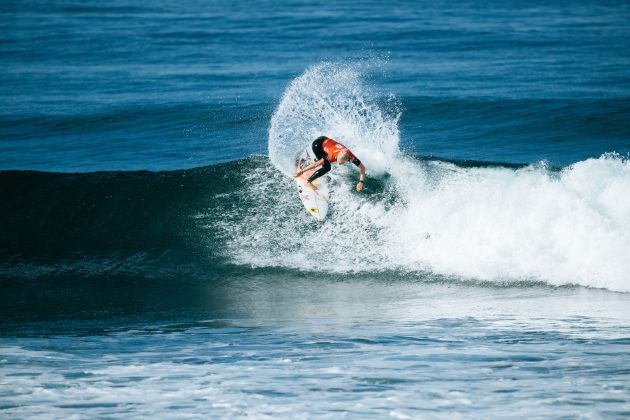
{"x": 361, "y": 177}
{"x": 309, "y": 167}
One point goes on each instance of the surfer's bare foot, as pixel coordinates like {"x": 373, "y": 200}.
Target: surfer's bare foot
{"x": 313, "y": 187}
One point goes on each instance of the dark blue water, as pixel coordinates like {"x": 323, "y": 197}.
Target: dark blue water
{"x": 155, "y": 258}
{"x": 153, "y": 85}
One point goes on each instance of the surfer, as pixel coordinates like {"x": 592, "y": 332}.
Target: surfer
{"x": 326, "y": 151}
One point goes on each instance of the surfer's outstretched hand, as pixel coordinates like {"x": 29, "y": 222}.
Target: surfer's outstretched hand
{"x": 298, "y": 173}
{"x": 359, "y": 186}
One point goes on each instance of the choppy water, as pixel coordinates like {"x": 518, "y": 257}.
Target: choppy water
{"x": 334, "y": 347}
{"x": 155, "y": 259}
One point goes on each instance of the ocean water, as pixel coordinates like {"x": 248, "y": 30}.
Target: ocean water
{"x": 155, "y": 259}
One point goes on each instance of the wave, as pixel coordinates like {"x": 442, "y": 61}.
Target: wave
{"x": 486, "y": 222}
{"x": 498, "y": 224}
{"x": 416, "y": 218}
{"x": 493, "y": 223}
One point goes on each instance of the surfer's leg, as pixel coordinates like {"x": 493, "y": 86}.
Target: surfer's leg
{"x": 321, "y": 171}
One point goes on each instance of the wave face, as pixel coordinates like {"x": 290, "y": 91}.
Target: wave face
{"x": 421, "y": 218}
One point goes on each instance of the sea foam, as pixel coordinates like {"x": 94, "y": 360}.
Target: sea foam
{"x": 569, "y": 226}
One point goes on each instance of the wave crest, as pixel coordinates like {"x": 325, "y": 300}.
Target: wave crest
{"x": 332, "y": 99}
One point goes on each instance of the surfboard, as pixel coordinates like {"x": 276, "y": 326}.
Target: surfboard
{"x": 315, "y": 202}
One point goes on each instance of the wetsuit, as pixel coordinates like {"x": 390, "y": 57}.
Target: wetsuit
{"x": 328, "y": 149}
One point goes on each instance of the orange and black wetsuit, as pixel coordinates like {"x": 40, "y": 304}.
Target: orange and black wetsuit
{"x": 328, "y": 149}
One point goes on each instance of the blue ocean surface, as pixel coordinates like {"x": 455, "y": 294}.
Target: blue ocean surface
{"x": 155, "y": 259}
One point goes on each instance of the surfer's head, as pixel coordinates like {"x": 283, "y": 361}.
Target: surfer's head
{"x": 342, "y": 158}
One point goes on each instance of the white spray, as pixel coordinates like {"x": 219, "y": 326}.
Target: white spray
{"x": 331, "y": 99}
{"x": 491, "y": 224}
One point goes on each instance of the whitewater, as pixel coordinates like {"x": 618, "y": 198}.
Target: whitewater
{"x": 497, "y": 223}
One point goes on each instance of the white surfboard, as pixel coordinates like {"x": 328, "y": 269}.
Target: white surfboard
{"x": 315, "y": 202}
